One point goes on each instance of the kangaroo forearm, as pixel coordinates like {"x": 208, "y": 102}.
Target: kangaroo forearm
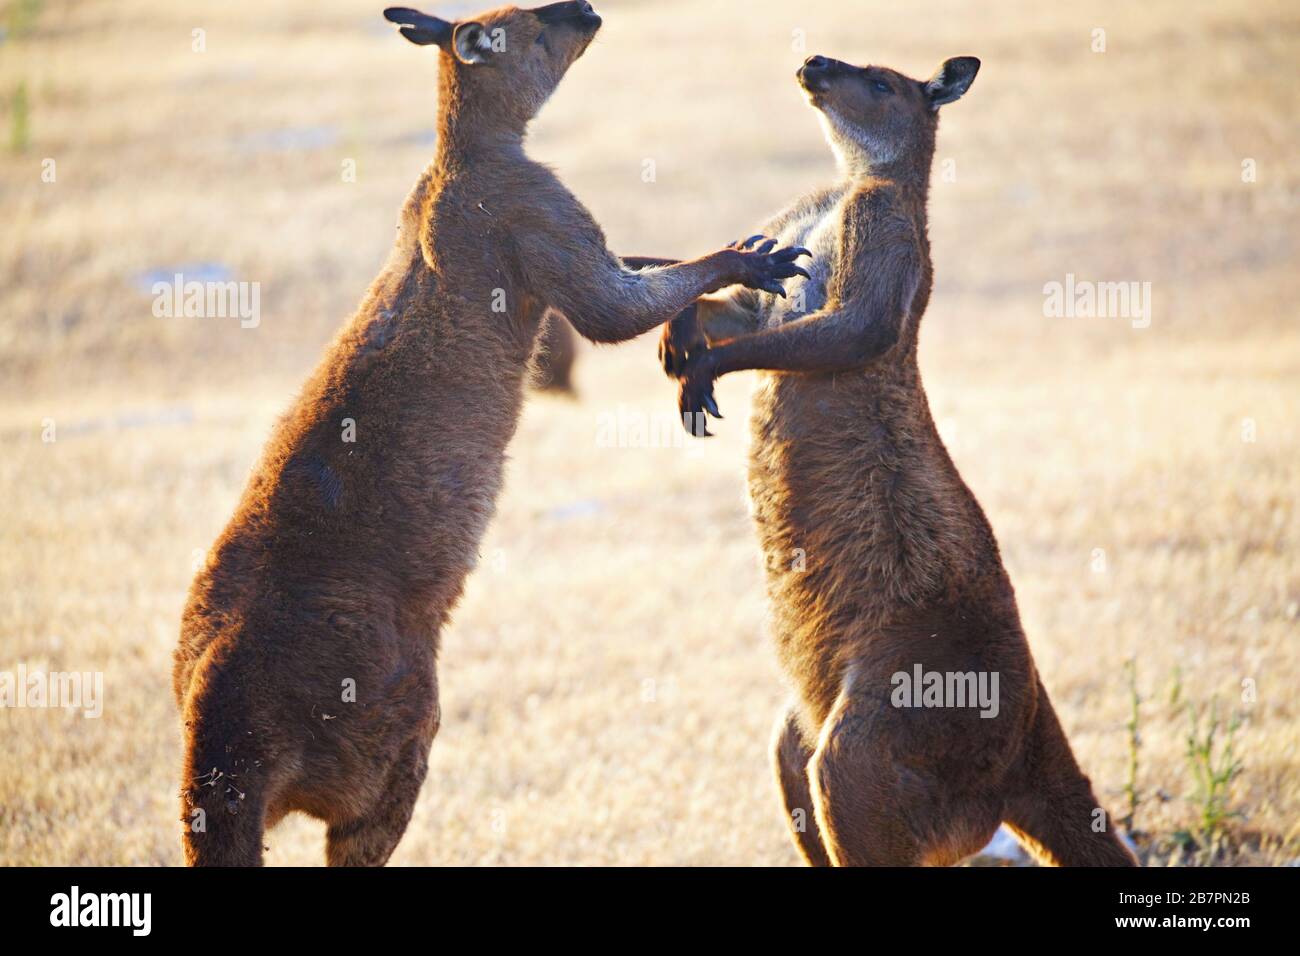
{"x": 819, "y": 343}
{"x": 632, "y": 303}
{"x": 647, "y": 262}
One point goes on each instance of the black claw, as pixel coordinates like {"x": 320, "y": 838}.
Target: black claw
{"x": 801, "y": 251}
{"x": 802, "y": 272}
{"x": 711, "y": 406}
{"x": 751, "y": 240}
{"x": 766, "y": 247}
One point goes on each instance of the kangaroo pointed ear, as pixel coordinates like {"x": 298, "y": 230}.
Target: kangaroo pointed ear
{"x": 951, "y": 80}
{"x": 420, "y": 28}
{"x": 470, "y": 42}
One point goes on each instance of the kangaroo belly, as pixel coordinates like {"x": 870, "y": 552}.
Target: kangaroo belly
{"x": 865, "y": 525}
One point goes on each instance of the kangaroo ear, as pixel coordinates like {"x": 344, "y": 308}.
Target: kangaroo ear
{"x": 951, "y": 80}
{"x": 420, "y": 28}
{"x": 470, "y": 42}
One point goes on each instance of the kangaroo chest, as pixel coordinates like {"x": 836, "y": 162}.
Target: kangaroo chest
{"x": 818, "y": 232}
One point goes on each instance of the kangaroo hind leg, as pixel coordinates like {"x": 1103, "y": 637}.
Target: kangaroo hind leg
{"x": 791, "y": 757}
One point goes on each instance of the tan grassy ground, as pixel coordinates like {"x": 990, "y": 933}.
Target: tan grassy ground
{"x": 608, "y": 687}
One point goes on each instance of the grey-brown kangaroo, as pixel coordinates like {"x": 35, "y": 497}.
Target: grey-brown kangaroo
{"x": 305, "y": 670}
{"x": 901, "y": 614}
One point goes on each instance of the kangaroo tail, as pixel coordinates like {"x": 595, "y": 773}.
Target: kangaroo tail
{"x": 1053, "y": 811}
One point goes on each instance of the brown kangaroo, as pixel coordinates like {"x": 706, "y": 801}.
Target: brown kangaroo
{"x": 305, "y": 670}
{"x": 901, "y": 576}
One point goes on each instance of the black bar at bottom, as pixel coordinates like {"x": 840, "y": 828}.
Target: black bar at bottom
{"x": 236, "y": 908}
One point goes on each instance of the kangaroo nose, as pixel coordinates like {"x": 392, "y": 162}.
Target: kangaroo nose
{"x": 817, "y": 62}
{"x": 586, "y": 8}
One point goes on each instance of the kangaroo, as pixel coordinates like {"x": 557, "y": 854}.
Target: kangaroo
{"x": 305, "y": 670}
{"x": 902, "y": 577}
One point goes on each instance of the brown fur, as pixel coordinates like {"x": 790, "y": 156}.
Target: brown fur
{"x": 899, "y": 563}
{"x": 344, "y": 559}
{"x": 557, "y": 350}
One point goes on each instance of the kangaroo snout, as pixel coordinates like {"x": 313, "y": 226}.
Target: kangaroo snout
{"x": 815, "y": 73}
{"x": 575, "y": 12}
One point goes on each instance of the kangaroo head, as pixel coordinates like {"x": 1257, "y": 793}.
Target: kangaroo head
{"x": 505, "y": 63}
{"x": 874, "y": 115}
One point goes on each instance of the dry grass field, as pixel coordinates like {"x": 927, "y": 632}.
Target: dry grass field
{"x": 608, "y": 686}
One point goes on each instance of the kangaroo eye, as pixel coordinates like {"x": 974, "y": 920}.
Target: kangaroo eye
{"x": 881, "y": 86}
{"x": 541, "y": 38}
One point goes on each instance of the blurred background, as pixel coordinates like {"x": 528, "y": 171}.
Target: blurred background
{"x": 608, "y": 685}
